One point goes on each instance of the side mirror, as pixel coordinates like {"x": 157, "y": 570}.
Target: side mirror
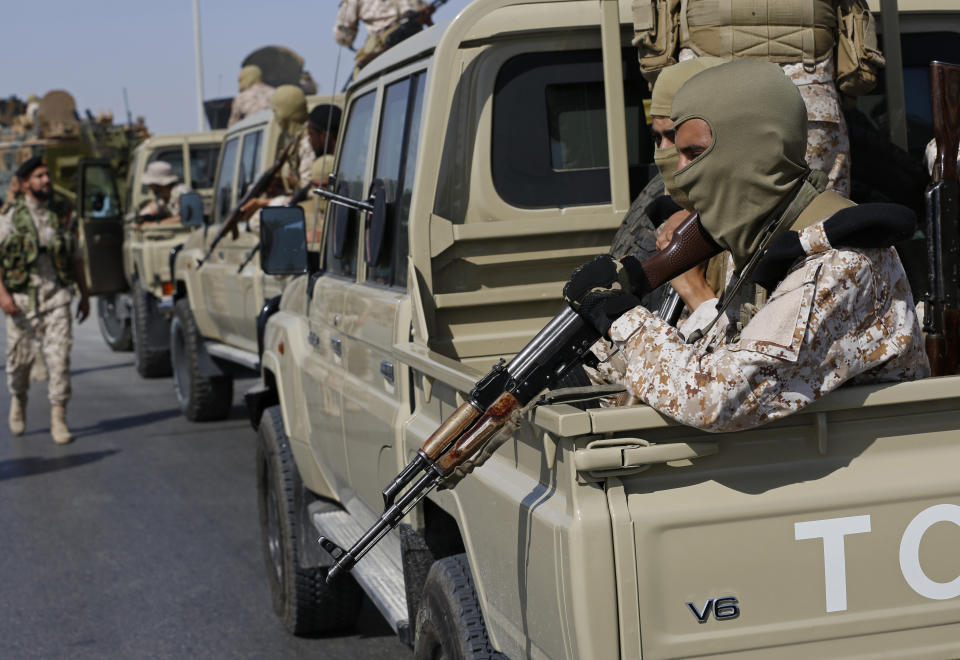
{"x": 283, "y": 240}
{"x": 377, "y": 224}
{"x": 191, "y": 210}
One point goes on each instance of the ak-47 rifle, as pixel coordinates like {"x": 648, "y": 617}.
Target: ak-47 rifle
{"x": 941, "y": 319}
{"x": 562, "y": 344}
{"x": 407, "y": 24}
{"x": 258, "y": 188}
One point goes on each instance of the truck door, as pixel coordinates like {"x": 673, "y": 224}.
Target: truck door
{"x": 101, "y": 228}
{"x": 324, "y": 369}
{"x": 377, "y": 309}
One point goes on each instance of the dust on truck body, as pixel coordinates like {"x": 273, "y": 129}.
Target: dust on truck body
{"x": 599, "y": 533}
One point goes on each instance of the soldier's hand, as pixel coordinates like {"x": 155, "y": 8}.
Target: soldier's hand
{"x": 8, "y": 306}
{"x": 83, "y": 309}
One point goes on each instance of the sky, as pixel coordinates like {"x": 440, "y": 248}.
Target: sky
{"x": 95, "y": 48}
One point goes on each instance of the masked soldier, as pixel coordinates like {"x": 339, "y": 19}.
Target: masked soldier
{"x": 823, "y": 46}
{"x": 39, "y": 266}
{"x": 254, "y": 94}
{"x": 377, "y": 16}
{"x": 834, "y": 314}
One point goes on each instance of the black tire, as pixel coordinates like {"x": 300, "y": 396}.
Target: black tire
{"x": 149, "y": 361}
{"x": 201, "y": 398}
{"x": 637, "y": 235}
{"x": 114, "y": 330}
{"x": 449, "y": 622}
{"x": 305, "y": 603}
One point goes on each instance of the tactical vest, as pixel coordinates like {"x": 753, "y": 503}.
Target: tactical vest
{"x": 21, "y": 249}
{"x": 781, "y": 31}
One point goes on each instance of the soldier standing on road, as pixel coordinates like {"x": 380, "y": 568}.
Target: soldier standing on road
{"x": 803, "y": 38}
{"x": 254, "y": 94}
{"x": 377, "y": 16}
{"x": 39, "y": 265}
{"x": 166, "y": 188}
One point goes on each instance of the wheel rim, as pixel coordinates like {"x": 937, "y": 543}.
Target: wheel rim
{"x": 273, "y": 526}
{"x": 178, "y": 357}
{"x": 110, "y": 324}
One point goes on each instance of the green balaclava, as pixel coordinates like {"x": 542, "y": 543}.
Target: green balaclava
{"x": 249, "y": 76}
{"x": 668, "y": 82}
{"x": 289, "y": 108}
{"x": 757, "y": 155}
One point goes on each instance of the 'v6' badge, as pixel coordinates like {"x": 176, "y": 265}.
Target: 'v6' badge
{"x": 723, "y": 609}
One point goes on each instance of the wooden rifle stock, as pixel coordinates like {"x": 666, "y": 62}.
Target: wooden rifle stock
{"x": 690, "y": 245}
{"x": 941, "y": 315}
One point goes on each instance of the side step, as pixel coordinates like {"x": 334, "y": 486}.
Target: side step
{"x": 233, "y": 354}
{"x": 379, "y": 573}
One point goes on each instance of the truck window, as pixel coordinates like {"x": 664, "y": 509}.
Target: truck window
{"x": 396, "y": 159}
{"x": 174, "y": 156}
{"x": 340, "y": 251}
{"x": 550, "y": 129}
{"x": 249, "y": 160}
{"x": 224, "y": 192}
{"x": 203, "y": 165}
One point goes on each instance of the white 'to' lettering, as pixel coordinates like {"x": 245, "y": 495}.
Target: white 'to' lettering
{"x": 910, "y": 552}
{"x": 832, "y": 532}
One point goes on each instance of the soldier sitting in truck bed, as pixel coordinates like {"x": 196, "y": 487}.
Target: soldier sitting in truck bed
{"x": 834, "y": 314}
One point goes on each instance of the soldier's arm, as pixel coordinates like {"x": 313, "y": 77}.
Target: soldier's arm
{"x": 7, "y": 304}
{"x": 348, "y": 17}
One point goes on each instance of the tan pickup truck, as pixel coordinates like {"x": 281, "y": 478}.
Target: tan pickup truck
{"x": 213, "y": 330}
{"x": 508, "y": 146}
{"x": 134, "y": 317}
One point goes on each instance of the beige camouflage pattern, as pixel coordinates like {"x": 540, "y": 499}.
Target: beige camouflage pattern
{"x": 171, "y": 207}
{"x": 839, "y": 316}
{"x": 305, "y": 158}
{"x": 828, "y": 145}
{"x": 252, "y": 100}
{"x": 375, "y": 14}
{"x": 30, "y": 334}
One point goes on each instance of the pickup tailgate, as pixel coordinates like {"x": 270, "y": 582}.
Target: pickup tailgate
{"x": 834, "y": 533}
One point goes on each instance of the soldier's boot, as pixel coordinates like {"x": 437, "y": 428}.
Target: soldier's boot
{"x": 18, "y": 414}
{"x": 58, "y": 424}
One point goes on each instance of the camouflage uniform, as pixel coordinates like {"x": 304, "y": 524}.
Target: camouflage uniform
{"x": 304, "y": 159}
{"x": 44, "y": 322}
{"x": 838, "y": 316}
{"x": 171, "y": 207}
{"x": 252, "y": 100}
{"x": 377, "y": 15}
{"x": 828, "y": 146}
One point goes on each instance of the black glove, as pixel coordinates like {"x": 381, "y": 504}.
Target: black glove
{"x": 600, "y": 273}
{"x": 602, "y": 308}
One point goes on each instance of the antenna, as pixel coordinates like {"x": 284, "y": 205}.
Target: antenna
{"x": 126, "y": 104}
{"x": 199, "y": 60}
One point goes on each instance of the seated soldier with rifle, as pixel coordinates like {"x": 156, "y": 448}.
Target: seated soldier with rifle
{"x": 166, "y": 189}
{"x": 834, "y": 314}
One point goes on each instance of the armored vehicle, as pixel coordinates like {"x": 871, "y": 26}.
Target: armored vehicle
{"x": 134, "y": 318}
{"x": 507, "y": 147}
{"x": 213, "y": 331}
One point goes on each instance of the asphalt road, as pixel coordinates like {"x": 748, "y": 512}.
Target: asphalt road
{"x": 140, "y": 539}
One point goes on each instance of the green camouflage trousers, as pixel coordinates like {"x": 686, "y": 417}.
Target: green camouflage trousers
{"x": 49, "y": 332}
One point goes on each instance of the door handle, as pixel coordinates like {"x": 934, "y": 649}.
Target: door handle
{"x": 619, "y": 456}
{"x": 337, "y": 345}
{"x": 386, "y": 368}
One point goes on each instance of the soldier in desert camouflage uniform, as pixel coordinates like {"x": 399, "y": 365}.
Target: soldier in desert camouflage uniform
{"x": 254, "y": 94}
{"x": 39, "y": 265}
{"x": 834, "y": 314}
{"x": 166, "y": 189}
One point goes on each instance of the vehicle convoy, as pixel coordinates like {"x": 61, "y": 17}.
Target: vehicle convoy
{"x": 134, "y": 317}
{"x": 218, "y": 293}
{"x": 499, "y": 152}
